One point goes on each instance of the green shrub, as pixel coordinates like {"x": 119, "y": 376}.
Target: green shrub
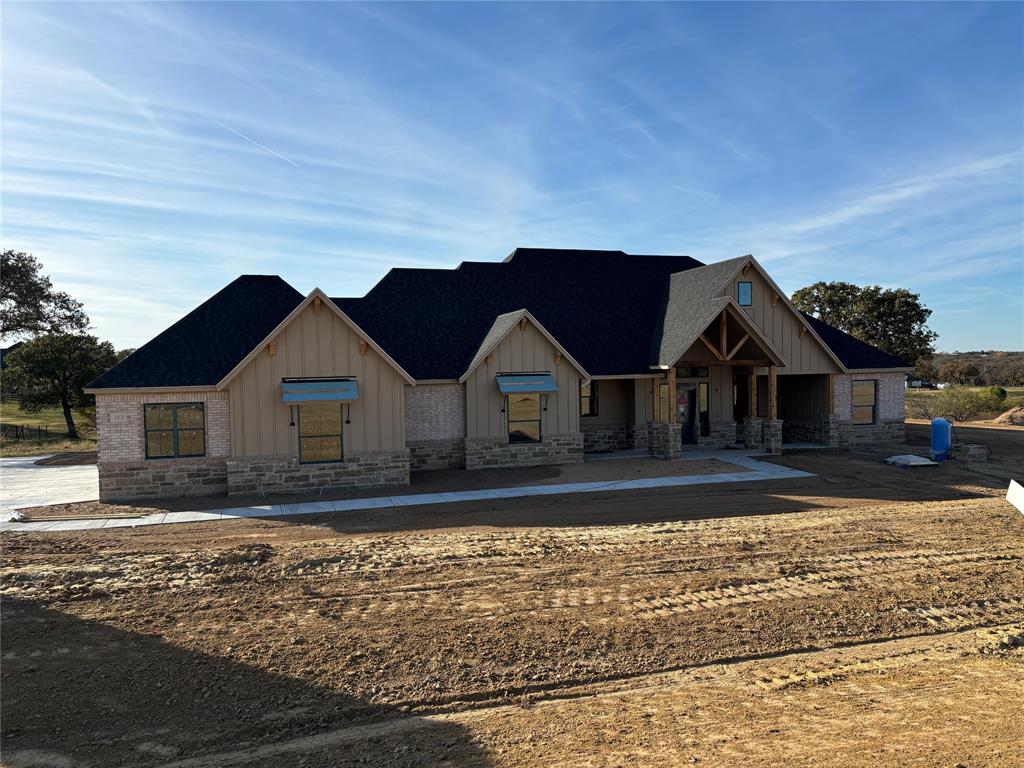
{"x": 963, "y": 404}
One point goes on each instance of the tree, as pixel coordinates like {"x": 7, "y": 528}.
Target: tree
{"x": 29, "y": 305}
{"x": 925, "y": 370}
{"x": 52, "y": 370}
{"x": 892, "y": 319}
{"x": 958, "y": 372}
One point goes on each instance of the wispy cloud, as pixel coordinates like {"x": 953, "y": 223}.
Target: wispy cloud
{"x": 152, "y": 152}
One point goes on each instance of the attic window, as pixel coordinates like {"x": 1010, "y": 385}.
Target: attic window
{"x": 745, "y": 293}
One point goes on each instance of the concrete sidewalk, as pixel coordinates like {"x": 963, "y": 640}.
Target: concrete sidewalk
{"x": 752, "y": 471}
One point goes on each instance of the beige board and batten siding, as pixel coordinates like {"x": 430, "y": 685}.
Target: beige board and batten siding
{"x": 521, "y": 351}
{"x": 613, "y": 400}
{"x": 315, "y": 345}
{"x": 779, "y": 323}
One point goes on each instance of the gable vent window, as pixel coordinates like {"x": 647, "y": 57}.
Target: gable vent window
{"x": 588, "y": 398}
{"x": 745, "y": 293}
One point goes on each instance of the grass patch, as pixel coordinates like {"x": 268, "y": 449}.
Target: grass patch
{"x": 9, "y": 448}
{"x": 52, "y": 419}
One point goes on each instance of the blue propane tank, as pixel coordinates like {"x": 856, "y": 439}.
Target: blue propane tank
{"x": 942, "y": 438}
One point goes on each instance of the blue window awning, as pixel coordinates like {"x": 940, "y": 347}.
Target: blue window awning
{"x": 512, "y": 383}
{"x": 319, "y": 390}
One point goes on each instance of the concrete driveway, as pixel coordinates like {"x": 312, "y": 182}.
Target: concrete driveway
{"x": 23, "y": 483}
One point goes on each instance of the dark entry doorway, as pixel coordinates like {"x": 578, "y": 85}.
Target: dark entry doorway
{"x": 686, "y": 411}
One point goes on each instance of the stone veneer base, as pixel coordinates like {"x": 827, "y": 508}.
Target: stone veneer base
{"x": 493, "y": 452}
{"x": 284, "y": 474}
{"x": 162, "y": 479}
{"x": 665, "y": 441}
{"x": 604, "y": 438}
{"x": 436, "y": 454}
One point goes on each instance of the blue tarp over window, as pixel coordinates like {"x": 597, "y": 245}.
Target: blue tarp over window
{"x": 319, "y": 390}
{"x": 511, "y": 383}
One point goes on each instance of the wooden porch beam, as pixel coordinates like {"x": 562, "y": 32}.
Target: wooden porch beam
{"x": 752, "y": 396}
{"x": 722, "y": 339}
{"x": 739, "y": 344}
{"x": 671, "y": 396}
{"x": 831, "y": 384}
{"x": 712, "y": 347}
{"x": 773, "y": 404}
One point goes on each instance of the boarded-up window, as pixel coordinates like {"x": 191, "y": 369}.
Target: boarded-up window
{"x": 864, "y": 402}
{"x": 524, "y": 418}
{"x": 174, "y": 430}
{"x": 320, "y": 432}
{"x": 588, "y": 398}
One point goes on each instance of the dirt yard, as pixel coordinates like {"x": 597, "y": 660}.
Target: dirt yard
{"x": 868, "y": 616}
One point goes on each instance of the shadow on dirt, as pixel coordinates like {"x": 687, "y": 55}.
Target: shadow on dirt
{"x": 80, "y": 692}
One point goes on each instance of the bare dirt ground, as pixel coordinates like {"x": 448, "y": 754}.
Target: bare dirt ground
{"x": 868, "y": 616}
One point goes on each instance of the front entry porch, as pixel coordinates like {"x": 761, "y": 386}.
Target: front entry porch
{"x": 721, "y": 391}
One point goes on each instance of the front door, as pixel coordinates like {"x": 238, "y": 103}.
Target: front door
{"x": 686, "y": 411}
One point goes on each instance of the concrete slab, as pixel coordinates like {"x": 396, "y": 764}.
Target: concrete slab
{"x": 417, "y": 499}
{"x": 350, "y": 505}
{"x": 23, "y": 483}
{"x": 307, "y": 508}
{"x": 756, "y": 471}
{"x": 455, "y": 496}
{"x": 263, "y": 510}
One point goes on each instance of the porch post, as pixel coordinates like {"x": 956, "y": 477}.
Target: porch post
{"x": 752, "y": 395}
{"x": 773, "y": 406}
{"x": 671, "y": 396}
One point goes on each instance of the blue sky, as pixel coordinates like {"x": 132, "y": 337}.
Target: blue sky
{"x": 153, "y": 152}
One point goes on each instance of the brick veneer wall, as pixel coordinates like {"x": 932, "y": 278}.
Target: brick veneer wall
{"x": 490, "y": 452}
{"x": 839, "y": 431}
{"x": 120, "y": 423}
{"x": 124, "y": 472}
{"x": 284, "y": 474}
{"x": 435, "y": 412}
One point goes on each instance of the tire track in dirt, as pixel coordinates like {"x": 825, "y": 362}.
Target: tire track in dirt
{"x": 763, "y": 676}
{"x": 829, "y": 575}
{"x": 838, "y": 573}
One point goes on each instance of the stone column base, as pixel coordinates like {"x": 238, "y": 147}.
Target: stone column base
{"x": 753, "y": 435}
{"x": 665, "y": 441}
{"x": 773, "y": 436}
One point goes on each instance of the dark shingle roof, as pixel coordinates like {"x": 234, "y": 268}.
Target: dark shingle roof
{"x": 204, "y": 346}
{"x": 607, "y": 308}
{"x": 598, "y": 304}
{"x": 851, "y": 351}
